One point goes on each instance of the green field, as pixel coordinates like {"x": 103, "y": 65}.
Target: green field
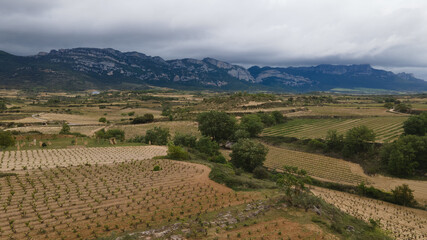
{"x": 386, "y": 128}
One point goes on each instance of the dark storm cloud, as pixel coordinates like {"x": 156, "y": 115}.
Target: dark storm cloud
{"x": 385, "y": 33}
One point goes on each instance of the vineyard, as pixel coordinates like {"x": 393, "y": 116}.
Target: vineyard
{"x": 328, "y": 168}
{"x": 386, "y": 128}
{"x": 50, "y": 158}
{"x": 88, "y": 201}
{"x": 403, "y": 223}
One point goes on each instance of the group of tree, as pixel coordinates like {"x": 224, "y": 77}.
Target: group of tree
{"x": 110, "y": 133}
{"x": 146, "y": 118}
{"x": 408, "y": 155}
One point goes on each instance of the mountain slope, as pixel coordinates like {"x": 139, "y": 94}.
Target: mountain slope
{"x": 88, "y": 68}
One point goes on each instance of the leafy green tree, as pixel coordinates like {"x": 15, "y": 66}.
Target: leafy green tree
{"x": 115, "y": 133}
{"x": 185, "y": 140}
{"x": 207, "y": 146}
{"x": 278, "y": 117}
{"x": 416, "y": 125}
{"x": 102, "y": 119}
{"x": 217, "y": 125}
{"x": 292, "y": 181}
{"x": 403, "y": 195}
{"x": 65, "y": 129}
{"x": 177, "y": 152}
{"x": 6, "y": 139}
{"x": 403, "y": 107}
{"x": 358, "y": 140}
{"x": 405, "y": 155}
{"x": 334, "y": 141}
{"x": 266, "y": 119}
{"x": 3, "y": 106}
{"x": 147, "y": 118}
{"x": 157, "y": 136}
{"x": 252, "y": 123}
{"x": 248, "y": 154}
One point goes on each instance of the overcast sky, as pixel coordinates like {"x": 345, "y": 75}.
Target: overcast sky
{"x": 389, "y": 34}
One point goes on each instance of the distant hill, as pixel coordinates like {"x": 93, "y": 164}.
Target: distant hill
{"x": 89, "y": 68}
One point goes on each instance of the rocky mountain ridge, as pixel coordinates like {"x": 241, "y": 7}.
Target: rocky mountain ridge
{"x": 83, "y": 68}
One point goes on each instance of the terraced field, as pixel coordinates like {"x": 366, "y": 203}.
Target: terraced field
{"x": 386, "y": 128}
{"x": 327, "y": 168}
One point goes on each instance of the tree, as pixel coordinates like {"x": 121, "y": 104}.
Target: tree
{"x": 416, "y": 125}
{"x": 3, "y": 106}
{"x": 157, "y": 136}
{"x": 115, "y": 133}
{"x": 6, "y": 139}
{"x": 102, "y": 119}
{"x": 207, "y": 146}
{"x": 293, "y": 181}
{"x": 147, "y": 118}
{"x": 403, "y": 107}
{"x": 358, "y": 140}
{"x": 248, "y": 154}
{"x": 334, "y": 141}
{"x": 217, "y": 125}
{"x": 405, "y": 155}
{"x": 65, "y": 129}
{"x": 403, "y": 195}
{"x": 266, "y": 119}
{"x": 184, "y": 140}
{"x": 252, "y": 124}
{"x": 278, "y": 117}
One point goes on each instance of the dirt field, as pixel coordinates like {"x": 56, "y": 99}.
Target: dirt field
{"x": 401, "y": 222}
{"x": 91, "y": 201}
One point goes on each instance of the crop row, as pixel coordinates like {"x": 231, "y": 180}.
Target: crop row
{"x": 48, "y": 158}
{"x": 89, "y": 201}
{"x": 316, "y": 165}
{"x": 386, "y": 128}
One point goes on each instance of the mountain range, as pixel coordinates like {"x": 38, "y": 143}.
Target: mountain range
{"x": 94, "y": 68}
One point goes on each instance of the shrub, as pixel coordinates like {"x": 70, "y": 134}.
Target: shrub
{"x": 147, "y": 118}
{"x": 218, "y": 159}
{"x": 416, "y": 125}
{"x": 6, "y": 139}
{"x": 266, "y": 119}
{"x": 241, "y": 133}
{"x": 248, "y": 155}
{"x": 65, "y": 129}
{"x": 403, "y": 195}
{"x": 177, "y": 152}
{"x": 278, "y": 117}
{"x": 115, "y": 133}
{"x": 358, "y": 140}
{"x": 157, "y": 168}
{"x": 207, "y": 146}
{"x": 316, "y": 144}
{"x": 185, "y": 140}
{"x": 103, "y": 120}
{"x": 334, "y": 141}
{"x": 157, "y": 136}
{"x": 260, "y": 172}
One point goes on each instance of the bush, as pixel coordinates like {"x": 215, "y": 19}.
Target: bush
{"x": 403, "y": 195}
{"x": 316, "y": 144}
{"x": 334, "y": 141}
{"x": 157, "y": 168}
{"x": 278, "y": 117}
{"x": 103, "y": 120}
{"x": 241, "y": 133}
{"x": 260, "y": 172}
{"x": 177, "y": 152}
{"x": 157, "y": 136}
{"x": 248, "y": 155}
{"x": 185, "y": 140}
{"x": 65, "y": 129}
{"x": 218, "y": 159}
{"x": 266, "y": 119}
{"x": 252, "y": 124}
{"x": 147, "y": 118}
{"x": 6, "y": 139}
{"x": 207, "y": 146}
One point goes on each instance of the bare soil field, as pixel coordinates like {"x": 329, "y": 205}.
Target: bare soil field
{"x": 401, "y": 222}
{"x": 88, "y": 201}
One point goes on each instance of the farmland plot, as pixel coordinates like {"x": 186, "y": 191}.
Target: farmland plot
{"x": 332, "y": 169}
{"x": 401, "y": 222}
{"x": 90, "y": 201}
{"x": 49, "y": 158}
{"x": 386, "y": 128}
